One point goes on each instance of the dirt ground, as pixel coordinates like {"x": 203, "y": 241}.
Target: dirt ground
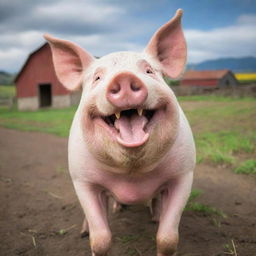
{"x": 40, "y": 214}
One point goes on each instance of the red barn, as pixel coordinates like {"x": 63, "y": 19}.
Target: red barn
{"x": 209, "y": 79}
{"x": 37, "y": 85}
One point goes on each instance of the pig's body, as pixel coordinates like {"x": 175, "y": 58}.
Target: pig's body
{"x": 132, "y": 188}
{"x": 129, "y": 139}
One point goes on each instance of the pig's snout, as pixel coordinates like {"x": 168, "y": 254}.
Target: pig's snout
{"x": 126, "y": 91}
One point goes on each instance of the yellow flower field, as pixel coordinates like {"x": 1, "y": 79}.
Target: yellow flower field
{"x": 245, "y": 76}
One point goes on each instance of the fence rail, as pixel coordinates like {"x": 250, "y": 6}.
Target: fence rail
{"x": 239, "y": 91}
{"x": 7, "y": 101}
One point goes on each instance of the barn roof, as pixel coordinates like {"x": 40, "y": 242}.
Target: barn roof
{"x": 27, "y": 61}
{"x": 205, "y": 74}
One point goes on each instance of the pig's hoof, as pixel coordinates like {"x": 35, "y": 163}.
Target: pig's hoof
{"x": 160, "y": 254}
{"x": 84, "y": 234}
{"x": 94, "y": 254}
{"x": 100, "y": 243}
{"x": 167, "y": 246}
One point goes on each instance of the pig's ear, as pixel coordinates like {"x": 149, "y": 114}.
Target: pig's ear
{"x": 168, "y": 47}
{"x": 69, "y": 61}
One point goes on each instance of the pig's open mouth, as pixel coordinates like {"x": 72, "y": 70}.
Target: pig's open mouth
{"x": 130, "y": 127}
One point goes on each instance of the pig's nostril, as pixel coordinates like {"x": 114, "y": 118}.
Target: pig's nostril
{"x": 115, "y": 89}
{"x": 135, "y": 87}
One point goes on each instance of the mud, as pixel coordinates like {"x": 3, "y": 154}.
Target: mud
{"x": 40, "y": 214}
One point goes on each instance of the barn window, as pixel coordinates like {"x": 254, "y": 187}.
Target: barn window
{"x": 45, "y": 95}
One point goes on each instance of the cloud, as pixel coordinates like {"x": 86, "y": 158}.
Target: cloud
{"x": 99, "y": 26}
{"x": 102, "y": 27}
{"x": 71, "y": 17}
{"x": 100, "y": 45}
{"x": 23, "y": 24}
{"x": 232, "y": 41}
{"x": 247, "y": 19}
{"x": 8, "y": 58}
{"x": 14, "y": 48}
{"x": 82, "y": 11}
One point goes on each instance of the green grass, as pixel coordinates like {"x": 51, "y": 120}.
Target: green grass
{"x": 55, "y": 121}
{"x": 222, "y": 147}
{"x": 245, "y": 82}
{"x": 208, "y": 210}
{"x": 125, "y": 239}
{"x": 194, "y": 194}
{"x": 171, "y": 82}
{"x": 211, "y": 115}
{"x": 7, "y": 91}
{"x": 246, "y": 167}
{"x": 230, "y": 249}
{"x": 223, "y": 127}
{"x": 199, "y": 207}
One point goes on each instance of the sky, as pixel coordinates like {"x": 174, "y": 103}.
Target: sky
{"x": 213, "y": 28}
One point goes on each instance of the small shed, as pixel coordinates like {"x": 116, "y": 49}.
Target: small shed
{"x": 37, "y": 85}
{"x": 209, "y": 79}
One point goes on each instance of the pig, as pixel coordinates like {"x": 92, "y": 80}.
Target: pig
{"x": 129, "y": 139}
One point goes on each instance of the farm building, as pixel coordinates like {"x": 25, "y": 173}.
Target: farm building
{"x": 37, "y": 85}
{"x": 209, "y": 79}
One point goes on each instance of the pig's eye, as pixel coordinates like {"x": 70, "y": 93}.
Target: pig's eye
{"x": 149, "y": 71}
{"x": 97, "y": 78}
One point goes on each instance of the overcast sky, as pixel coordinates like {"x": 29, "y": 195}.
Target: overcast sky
{"x": 213, "y": 29}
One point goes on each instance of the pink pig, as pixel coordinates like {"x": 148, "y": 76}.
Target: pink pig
{"x": 129, "y": 139}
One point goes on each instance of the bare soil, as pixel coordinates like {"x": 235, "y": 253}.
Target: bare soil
{"x": 40, "y": 214}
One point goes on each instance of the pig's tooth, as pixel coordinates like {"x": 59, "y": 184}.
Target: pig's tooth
{"x": 140, "y": 111}
{"x": 117, "y": 114}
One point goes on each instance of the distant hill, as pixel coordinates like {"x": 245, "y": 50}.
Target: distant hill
{"x": 237, "y": 65}
{"x": 6, "y": 78}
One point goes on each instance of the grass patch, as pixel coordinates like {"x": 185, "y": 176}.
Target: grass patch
{"x": 125, "y": 239}
{"x": 223, "y": 127}
{"x": 246, "y": 167}
{"x": 7, "y": 91}
{"x": 171, "y": 82}
{"x": 212, "y": 115}
{"x": 55, "y": 121}
{"x": 194, "y": 194}
{"x": 221, "y": 147}
{"x": 199, "y": 207}
{"x": 207, "y": 210}
{"x": 230, "y": 249}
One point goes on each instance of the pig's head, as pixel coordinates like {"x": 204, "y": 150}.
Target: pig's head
{"x": 128, "y": 114}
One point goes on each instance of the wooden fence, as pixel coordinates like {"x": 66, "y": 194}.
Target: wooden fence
{"x": 238, "y": 91}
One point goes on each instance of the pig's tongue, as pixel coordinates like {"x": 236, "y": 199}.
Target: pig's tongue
{"x": 131, "y": 132}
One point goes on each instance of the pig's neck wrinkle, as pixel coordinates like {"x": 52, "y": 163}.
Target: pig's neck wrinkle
{"x": 128, "y": 173}
{"x": 110, "y": 177}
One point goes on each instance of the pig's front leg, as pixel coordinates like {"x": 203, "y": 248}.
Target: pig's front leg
{"x": 174, "y": 199}
{"x": 94, "y": 203}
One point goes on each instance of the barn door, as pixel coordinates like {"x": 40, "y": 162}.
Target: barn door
{"x": 45, "y": 95}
